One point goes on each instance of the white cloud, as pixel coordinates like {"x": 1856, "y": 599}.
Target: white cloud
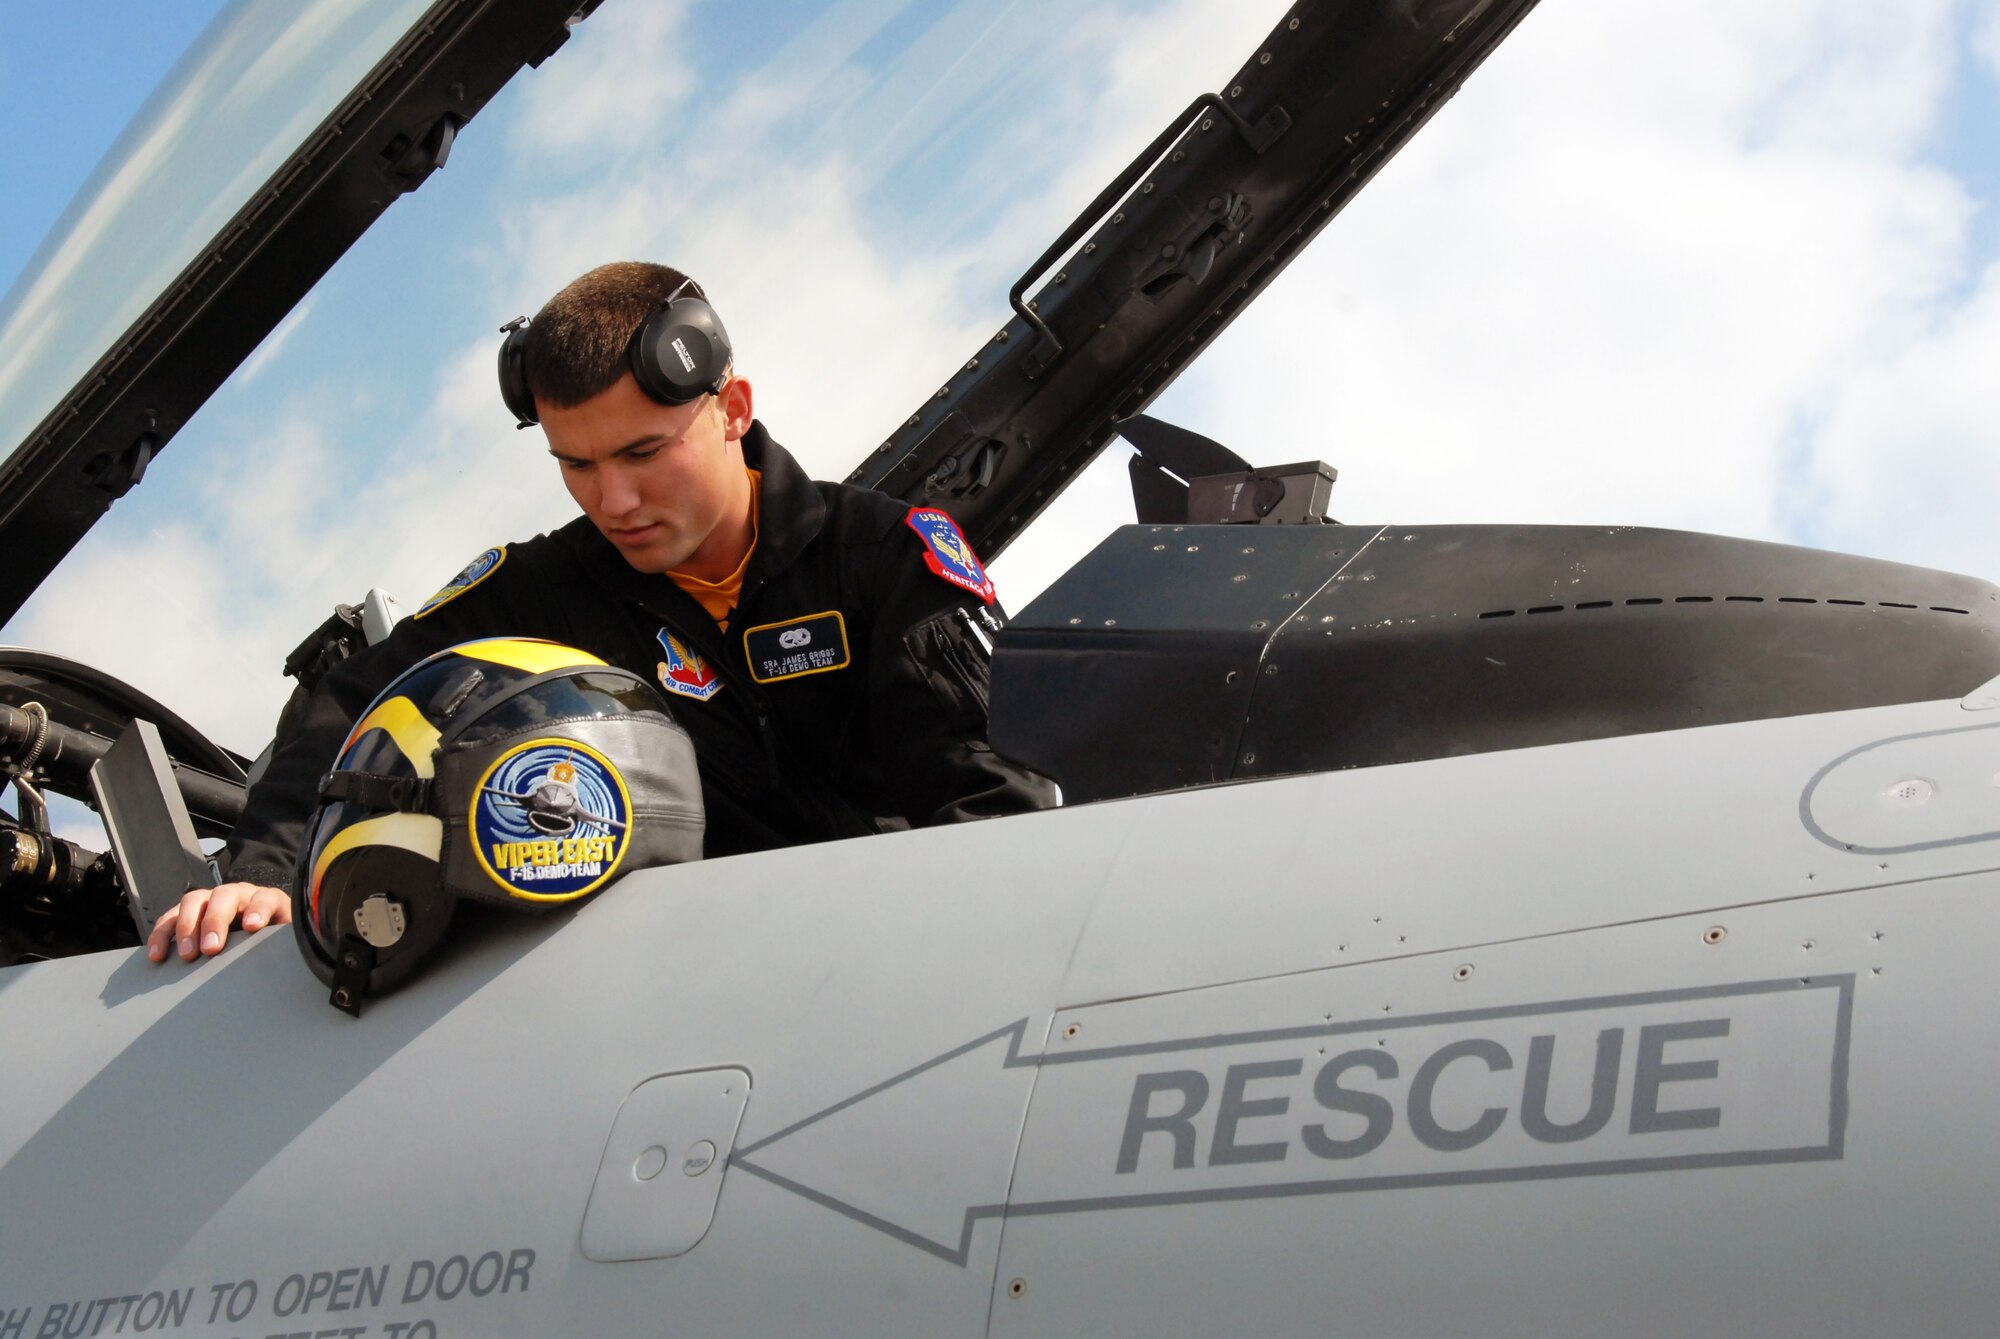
{"x": 136, "y": 609}
{"x": 1906, "y": 456}
{"x": 619, "y": 95}
{"x": 225, "y": 597}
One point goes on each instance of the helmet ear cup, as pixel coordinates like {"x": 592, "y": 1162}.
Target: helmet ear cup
{"x": 411, "y": 919}
{"x": 514, "y": 374}
{"x": 681, "y": 353}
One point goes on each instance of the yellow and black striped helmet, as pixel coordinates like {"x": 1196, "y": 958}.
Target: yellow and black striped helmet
{"x": 512, "y": 771}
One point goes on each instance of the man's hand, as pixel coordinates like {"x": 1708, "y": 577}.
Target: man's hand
{"x": 200, "y": 924}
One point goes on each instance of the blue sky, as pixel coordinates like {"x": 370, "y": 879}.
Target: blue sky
{"x": 97, "y": 63}
{"x": 1966, "y": 138}
{"x": 1710, "y": 266}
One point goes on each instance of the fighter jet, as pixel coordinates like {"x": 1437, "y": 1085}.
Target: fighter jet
{"x": 552, "y": 806}
{"x": 1505, "y": 929}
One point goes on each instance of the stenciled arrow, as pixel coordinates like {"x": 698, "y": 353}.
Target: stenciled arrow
{"x": 927, "y": 1154}
{"x": 859, "y": 1152}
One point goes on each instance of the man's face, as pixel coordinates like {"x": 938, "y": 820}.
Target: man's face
{"x": 664, "y": 483}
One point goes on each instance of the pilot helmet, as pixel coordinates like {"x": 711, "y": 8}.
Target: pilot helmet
{"x": 510, "y": 771}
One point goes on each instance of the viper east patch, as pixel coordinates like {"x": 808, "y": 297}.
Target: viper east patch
{"x": 809, "y": 644}
{"x": 550, "y": 820}
{"x": 476, "y": 571}
{"x": 684, "y": 673}
{"x": 947, "y": 553}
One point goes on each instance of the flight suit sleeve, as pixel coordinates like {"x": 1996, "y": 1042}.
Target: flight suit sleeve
{"x": 931, "y": 667}
{"x": 264, "y": 845}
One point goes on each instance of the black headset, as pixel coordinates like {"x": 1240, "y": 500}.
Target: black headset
{"x": 680, "y": 353}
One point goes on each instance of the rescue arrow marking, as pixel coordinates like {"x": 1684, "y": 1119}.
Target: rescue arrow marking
{"x": 1007, "y": 1126}
{"x": 1464, "y": 1098}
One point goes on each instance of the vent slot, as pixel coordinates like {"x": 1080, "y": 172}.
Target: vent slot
{"x": 1643, "y": 600}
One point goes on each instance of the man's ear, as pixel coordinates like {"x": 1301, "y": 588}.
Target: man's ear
{"x": 737, "y": 405}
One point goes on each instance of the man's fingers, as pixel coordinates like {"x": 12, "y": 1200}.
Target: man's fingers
{"x": 187, "y": 920}
{"x": 200, "y": 924}
{"x": 193, "y": 931}
{"x": 266, "y": 906}
{"x": 223, "y": 904}
{"x": 176, "y": 927}
{"x": 163, "y": 935}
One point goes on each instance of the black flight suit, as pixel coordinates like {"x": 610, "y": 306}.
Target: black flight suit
{"x": 871, "y": 713}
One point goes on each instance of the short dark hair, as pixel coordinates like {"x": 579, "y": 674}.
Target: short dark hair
{"x": 575, "y": 348}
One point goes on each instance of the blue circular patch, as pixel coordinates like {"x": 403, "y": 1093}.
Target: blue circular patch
{"x": 550, "y": 820}
{"x": 475, "y": 572}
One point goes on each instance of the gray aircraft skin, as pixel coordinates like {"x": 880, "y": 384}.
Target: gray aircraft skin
{"x": 928, "y": 1105}
{"x": 1659, "y": 1032}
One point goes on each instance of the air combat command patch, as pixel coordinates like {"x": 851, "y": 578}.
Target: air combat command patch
{"x": 550, "y": 820}
{"x": 684, "y": 673}
{"x": 476, "y": 571}
{"x": 947, "y": 553}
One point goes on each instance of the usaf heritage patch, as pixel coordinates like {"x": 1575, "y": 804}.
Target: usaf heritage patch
{"x": 476, "y": 571}
{"x": 550, "y": 820}
{"x": 810, "y": 644}
{"x": 946, "y": 552}
{"x": 684, "y": 673}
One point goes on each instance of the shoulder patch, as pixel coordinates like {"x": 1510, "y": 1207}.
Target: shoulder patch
{"x": 476, "y": 571}
{"x": 947, "y": 553}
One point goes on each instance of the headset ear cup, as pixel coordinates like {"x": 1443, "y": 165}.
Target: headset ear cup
{"x": 514, "y": 390}
{"x": 681, "y": 353}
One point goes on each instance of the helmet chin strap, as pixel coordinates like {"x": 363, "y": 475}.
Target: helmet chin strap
{"x": 352, "y": 965}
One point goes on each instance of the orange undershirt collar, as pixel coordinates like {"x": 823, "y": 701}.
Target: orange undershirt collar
{"x": 718, "y": 598}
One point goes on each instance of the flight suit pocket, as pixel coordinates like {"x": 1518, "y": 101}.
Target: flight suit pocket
{"x": 942, "y": 652}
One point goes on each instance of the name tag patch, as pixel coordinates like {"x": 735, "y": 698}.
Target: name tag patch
{"x": 812, "y": 644}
